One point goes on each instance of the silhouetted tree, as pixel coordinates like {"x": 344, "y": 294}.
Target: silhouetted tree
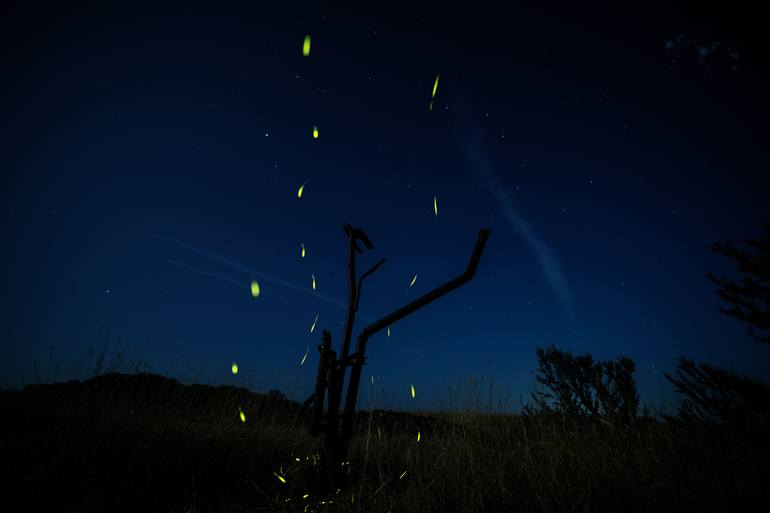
{"x": 748, "y": 300}
{"x": 715, "y": 396}
{"x": 578, "y": 386}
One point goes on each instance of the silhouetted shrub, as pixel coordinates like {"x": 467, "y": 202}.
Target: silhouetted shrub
{"x": 276, "y": 395}
{"x": 716, "y": 397}
{"x": 579, "y": 387}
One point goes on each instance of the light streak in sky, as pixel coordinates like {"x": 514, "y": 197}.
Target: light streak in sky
{"x": 237, "y": 266}
{"x": 470, "y": 136}
{"x": 433, "y": 95}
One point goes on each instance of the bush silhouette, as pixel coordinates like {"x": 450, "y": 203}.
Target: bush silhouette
{"x": 276, "y": 395}
{"x": 579, "y": 387}
{"x": 716, "y": 397}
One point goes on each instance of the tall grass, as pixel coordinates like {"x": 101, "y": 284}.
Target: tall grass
{"x": 143, "y": 442}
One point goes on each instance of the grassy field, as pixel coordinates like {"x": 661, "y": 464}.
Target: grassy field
{"x": 143, "y": 442}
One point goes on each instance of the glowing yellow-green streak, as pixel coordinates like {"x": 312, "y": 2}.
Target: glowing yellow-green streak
{"x": 301, "y": 188}
{"x": 306, "y": 46}
{"x": 435, "y": 86}
{"x": 435, "y": 205}
{"x": 304, "y": 357}
{"x": 234, "y": 368}
{"x": 313, "y": 326}
{"x": 313, "y": 276}
{"x": 412, "y": 391}
{"x": 255, "y": 288}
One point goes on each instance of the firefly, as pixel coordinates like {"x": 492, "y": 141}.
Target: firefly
{"x": 315, "y": 132}
{"x": 433, "y": 95}
{"x": 301, "y": 188}
{"x": 402, "y": 475}
{"x": 313, "y": 326}
{"x": 306, "y": 46}
{"x": 435, "y": 206}
{"x": 280, "y": 478}
{"x": 254, "y": 288}
{"x": 303, "y": 250}
{"x": 372, "y": 376}
{"x": 304, "y": 357}
{"x": 313, "y": 275}
{"x": 418, "y": 436}
{"x": 413, "y": 280}
{"x": 243, "y": 415}
{"x": 234, "y": 368}
{"x": 388, "y": 330}
{"x": 412, "y": 391}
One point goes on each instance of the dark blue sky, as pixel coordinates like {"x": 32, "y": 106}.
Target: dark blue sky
{"x": 152, "y": 161}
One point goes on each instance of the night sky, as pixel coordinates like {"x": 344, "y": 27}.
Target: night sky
{"x": 152, "y": 161}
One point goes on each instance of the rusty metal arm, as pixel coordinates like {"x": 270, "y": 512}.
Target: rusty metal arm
{"x": 431, "y": 296}
{"x": 399, "y": 314}
{"x": 361, "y": 279}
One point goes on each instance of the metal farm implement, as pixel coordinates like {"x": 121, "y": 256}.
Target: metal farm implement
{"x": 331, "y": 368}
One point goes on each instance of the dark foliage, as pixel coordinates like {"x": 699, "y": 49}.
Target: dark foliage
{"x": 276, "y": 395}
{"x": 578, "y": 386}
{"x": 749, "y": 299}
{"x": 148, "y": 443}
{"x": 716, "y": 397}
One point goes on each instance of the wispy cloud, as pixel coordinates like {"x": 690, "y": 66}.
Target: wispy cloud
{"x": 470, "y": 138}
{"x": 241, "y": 284}
{"x": 237, "y": 266}
{"x": 227, "y": 279}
